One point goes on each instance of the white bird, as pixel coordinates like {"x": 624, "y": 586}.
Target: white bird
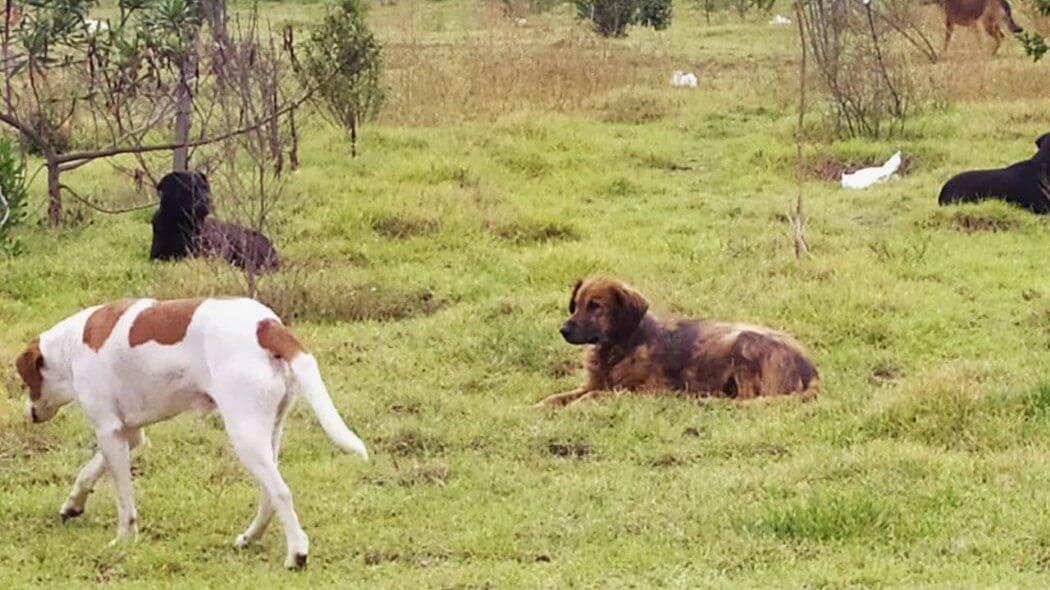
{"x": 866, "y": 177}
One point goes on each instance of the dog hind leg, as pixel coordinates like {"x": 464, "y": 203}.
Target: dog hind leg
{"x": 251, "y": 430}
{"x": 991, "y": 26}
{"x": 262, "y": 519}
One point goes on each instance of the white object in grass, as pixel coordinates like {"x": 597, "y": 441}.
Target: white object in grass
{"x": 95, "y": 27}
{"x": 680, "y": 79}
{"x": 866, "y": 177}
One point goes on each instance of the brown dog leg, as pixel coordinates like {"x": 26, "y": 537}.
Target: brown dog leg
{"x": 991, "y": 26}
{"x": 562, "y": 399}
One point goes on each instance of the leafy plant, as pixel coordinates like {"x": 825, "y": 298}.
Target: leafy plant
{"x": 12, "y": 190}
{"x": 342, "y": 63}
{"x": 654, "y": 13}
{"x": 1034, "y": 44}
{"x": 610, "y": 18}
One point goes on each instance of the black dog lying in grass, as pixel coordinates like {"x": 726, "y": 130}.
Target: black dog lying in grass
{"x": 1025, "y": 184}
{"x": 183, "y": 227}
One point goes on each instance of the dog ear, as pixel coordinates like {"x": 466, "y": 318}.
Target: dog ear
{"x": 572, "y": 298}
{"x": 29, "y": 365}
{"x": 631, "y": 307}
{"x": 164, "y": 184}
{"x": 203, "y": 182}
{"x": 1043, "y": 143}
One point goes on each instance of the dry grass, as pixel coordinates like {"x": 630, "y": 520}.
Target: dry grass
{"x": 498, "y": 67}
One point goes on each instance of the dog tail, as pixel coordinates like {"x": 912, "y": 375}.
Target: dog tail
{"x": 304, "y": 369}
{"x": 1008, "y": 16}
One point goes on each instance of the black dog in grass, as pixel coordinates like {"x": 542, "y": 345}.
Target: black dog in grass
{"x": 183, "y": 227}
{"x": 1025, "y": 184}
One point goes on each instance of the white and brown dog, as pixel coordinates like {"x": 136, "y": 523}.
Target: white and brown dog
{"x": 136, "y": 362}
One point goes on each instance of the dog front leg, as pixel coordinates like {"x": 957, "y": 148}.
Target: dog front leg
{"x": 84, "y": 484}
{"x": 92, "y": 471}
{"x": 113, "y": 443}
{"x": 562, "y": 399}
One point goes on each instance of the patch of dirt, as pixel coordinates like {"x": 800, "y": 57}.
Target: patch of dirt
{"x": 574, "y": 450}
{"x": 830, "y": 168}
{"x": 667, "y": 460}
{"x": 400, "y": 227}
{"x": 526, "y": 231}
{"x": 970, "y": 222}
{"x": 884, "y": 373}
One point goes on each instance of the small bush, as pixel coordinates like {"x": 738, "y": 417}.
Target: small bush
{"x": 610, "y": 18}
{"x": 12, "y": 189}
{"x": 1033, "y": 43}
{"x": 342, "y": 61}
{"x": 654, "y": 13}
{"x": 863, "y": 68}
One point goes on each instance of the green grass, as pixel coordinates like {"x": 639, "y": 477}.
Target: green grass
{"x": 438, "y": 266}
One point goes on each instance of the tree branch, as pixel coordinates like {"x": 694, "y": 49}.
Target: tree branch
{"x": 25, "y": 130}
{"x": 72, "y": 161}
{"x": 76, "y": 196}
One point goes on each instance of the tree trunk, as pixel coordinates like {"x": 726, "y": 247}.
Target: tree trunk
{"x": 183, "y": 114}
{"x": 293, "y": 149}
{"x": 54, "y": 193}
{"x": 353, "y": 136}
{"x": 215, "y": 15}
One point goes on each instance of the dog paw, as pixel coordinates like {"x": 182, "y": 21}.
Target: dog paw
{"x": 548, "y": 403}
{"x": 125, "y": 538}
{"x": 296, "y": 561}
{"x": 241, "y": 541}
{"x": 68, "y": 512}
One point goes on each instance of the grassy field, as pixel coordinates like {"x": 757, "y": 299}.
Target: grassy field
{"x": 430, "y": 276}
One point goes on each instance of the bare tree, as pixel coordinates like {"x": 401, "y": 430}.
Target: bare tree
{"x": 861, "y": 66}
{"x": 246, "y": 170}
{"x": 119, "y": 86}
{"x": 798, "y": 219}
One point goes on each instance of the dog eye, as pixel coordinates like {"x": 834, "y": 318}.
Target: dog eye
{"x": 593, "y": 306}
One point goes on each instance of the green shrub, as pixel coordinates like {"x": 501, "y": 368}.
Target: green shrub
{"x": 654, "y": 13}
{"x": 610, "y": 18}
{"x": 13, "y": 189}
{"x": 342, "y": 61}
{"x": 1034, "y": 44}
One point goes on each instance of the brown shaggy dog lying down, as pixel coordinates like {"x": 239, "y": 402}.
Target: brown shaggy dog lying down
{"x": 636, "y": 351}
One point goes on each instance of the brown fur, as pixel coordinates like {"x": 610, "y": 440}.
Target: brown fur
{"x": 29, "y": 364}
{"x": 102, "y": 321}
{"x": 991, "y": 14}
{"x": 164, "y": 322}
{"x": 636, "y": 351}
{"x": 278, "y": 340}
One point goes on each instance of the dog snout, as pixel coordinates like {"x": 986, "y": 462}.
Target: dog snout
{"x": 567, "y": 329}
